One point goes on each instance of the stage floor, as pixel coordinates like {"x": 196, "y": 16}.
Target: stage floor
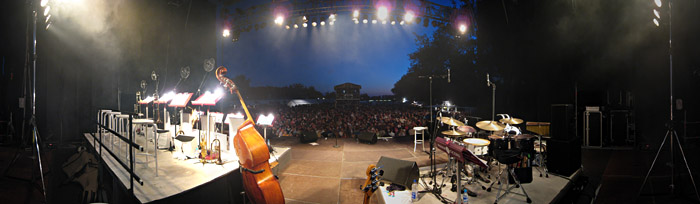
{"x": 175, "y": 176}
{"x": 326, "y": 174}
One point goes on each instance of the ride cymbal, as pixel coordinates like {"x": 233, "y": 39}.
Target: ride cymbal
{"x": 512, "y": 121}
{"x": 453, "y": 133}
{"x": 451, "y": 121}
{"x": 490, "y": 125}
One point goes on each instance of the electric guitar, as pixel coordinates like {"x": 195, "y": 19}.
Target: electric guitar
{"x": 372, "y": 183}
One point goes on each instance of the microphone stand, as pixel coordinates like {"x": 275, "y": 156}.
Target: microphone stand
{"x": 436, "y": 189}
{"x": 199, "y": 111}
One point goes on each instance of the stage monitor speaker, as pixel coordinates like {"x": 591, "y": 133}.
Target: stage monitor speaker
{"x": 562, "y": 126}
{"x": 400, "y": 172}
{"x": 367, "y": 137}
{"x": 308, "y": 137}
{"x": 563, "y": 156}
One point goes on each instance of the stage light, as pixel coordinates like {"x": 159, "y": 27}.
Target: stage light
{"x": 357, "y": 21}
{"x": 226, "y": 33}
{"x": 331, "y": 23}
{"x": 656, "y": 13}
{"x": 303, "y": 18}
{"x": 44, "y": 3}
{"x": 279, "y": 20}
{"x": 331, "y": 17}
{"x": 296, "y": 26}
{"x": 402, "y": 22}
{"x": 393, "y": 22}
{"x": 47, "y": 18}
{"x": 356, "y": 14}
{"x": 658, "y": 3}
{"x": 656, "y": 22}
{"x": 305, "y": 25}
{"x": 323, "y": 23}
{"x": 46, "y": 10}
{"x": 314, "y": 24}
{"x": 462, "y": 28}
{"x": 409, "y": 16}
{"x": 364, "y": 21}
{"x": 48, "y": 25}
{"x": 374, "y": 21}
{"x": 382, "y": 13}
{"x": 287, "y": 27}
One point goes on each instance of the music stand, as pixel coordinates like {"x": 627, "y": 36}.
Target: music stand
{"x": 146, "y": 101}
{"x": 207, "y": 99}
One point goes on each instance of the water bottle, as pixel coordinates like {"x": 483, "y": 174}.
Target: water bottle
{"x": 414, "y": 191}
{"x": 465, "y": 197}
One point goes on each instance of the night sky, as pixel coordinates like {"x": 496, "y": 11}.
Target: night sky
{"x": 374, "y": 56}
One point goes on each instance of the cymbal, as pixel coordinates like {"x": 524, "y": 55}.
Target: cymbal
{"x": 496, "y": 137}
{"x": 453, "y": 133}
{"x": 490, "y": 125}
{"x": 451, "y": 121}
{"x": 512, "y": 121}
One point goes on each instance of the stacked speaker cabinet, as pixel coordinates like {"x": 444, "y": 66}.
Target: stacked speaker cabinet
{"x": 399, "y": 171}
{"x": 564, "y": 147}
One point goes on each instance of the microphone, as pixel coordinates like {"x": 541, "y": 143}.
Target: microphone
{"x": 488, "y": 81}
{"x": 448, "y": 76}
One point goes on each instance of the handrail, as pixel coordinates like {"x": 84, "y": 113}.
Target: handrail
{"x": 138, "y": 179}
{"x": 134, "y": 145}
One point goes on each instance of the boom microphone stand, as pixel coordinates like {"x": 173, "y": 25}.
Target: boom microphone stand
{"x": 671, "y": 131}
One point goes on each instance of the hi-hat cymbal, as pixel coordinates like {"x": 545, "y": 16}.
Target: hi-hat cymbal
{"x": 512, "y": 121}
{"x": 451, "y": 121}
{"x": 453, "y": 133}
{"x": 490, "y": 125}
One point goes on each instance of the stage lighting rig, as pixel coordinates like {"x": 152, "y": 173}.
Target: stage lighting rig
{"x": 409, "y": 16}
{"x": 47, "y": 10}
{"x": 382, "y": 13}
{"x": 279, "y": 20}
{"x": 44, "y": 3}
{"x": 226, "y": 33}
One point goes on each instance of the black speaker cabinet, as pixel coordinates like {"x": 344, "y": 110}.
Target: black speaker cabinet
{"x": 562, "y": 126}
{"x": 308, "y": 137}
{"x": 367, "y": 137}
{"x": 563, "y": 156}
{"x": 400, "y": 172}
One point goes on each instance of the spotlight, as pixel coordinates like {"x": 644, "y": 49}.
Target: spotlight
{"x": 46, "y": 10}
{"x": 303, "y": 18}
{"x": 393, "y": 22}
{"x": 323, "y": 23}
{"x": 374, "y": 21}
{"x": 656, "y": 13}
{"x": 656, "y": 22}
{"x": 331, "y": 17}
{"x": 356, "y": 14}
{"x": 305, "y": 25}
{"x": 226, "y": 33}
{"x": 382, "y": 12}
{"x": 314, "y": 24}
{"x": 402, "y": 22}
{"x": 287, "y": 27}
{"x": 409, "y": 16}
{"x": 658, "y": 3}
{"x": 279, "y": 20}
{"x": 331, "y": 23}
{"x": 357, "y": 21}
{"x": 44, "y": 3}
{"x": 364, "y": 21}
{"x": 48, "y": 25}
{"x": 462, "y": 28}
{"x": 47, "y": 18}
{"x": 296, "y": 26}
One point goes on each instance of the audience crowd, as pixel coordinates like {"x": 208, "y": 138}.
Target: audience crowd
{"x": 349, "y": 120}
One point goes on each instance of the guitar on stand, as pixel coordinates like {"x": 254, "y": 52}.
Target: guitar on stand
{"x": 372, "y": 183}
{"x": 260, "y": 185}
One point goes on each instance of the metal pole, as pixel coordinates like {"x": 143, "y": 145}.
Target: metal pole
{"x": 34, "y": 129}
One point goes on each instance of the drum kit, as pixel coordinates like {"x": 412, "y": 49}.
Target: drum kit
{"x": 503, "y": 134}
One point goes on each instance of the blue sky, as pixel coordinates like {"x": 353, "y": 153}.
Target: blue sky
{"x": 372, "y": 55}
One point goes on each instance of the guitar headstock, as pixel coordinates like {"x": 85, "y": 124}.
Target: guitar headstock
{"x": 372, "y": 183}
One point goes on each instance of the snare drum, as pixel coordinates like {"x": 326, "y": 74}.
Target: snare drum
{"x": 477, "y": 146}
{"x": 499, "y": 142}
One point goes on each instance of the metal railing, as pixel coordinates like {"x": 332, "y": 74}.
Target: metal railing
{"x": 129, "y": 141}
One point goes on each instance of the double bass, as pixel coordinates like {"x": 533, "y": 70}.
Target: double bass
{"x": 260, "y": 185}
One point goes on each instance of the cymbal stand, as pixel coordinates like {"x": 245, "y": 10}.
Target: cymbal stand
{"x": 436, "y": 189}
